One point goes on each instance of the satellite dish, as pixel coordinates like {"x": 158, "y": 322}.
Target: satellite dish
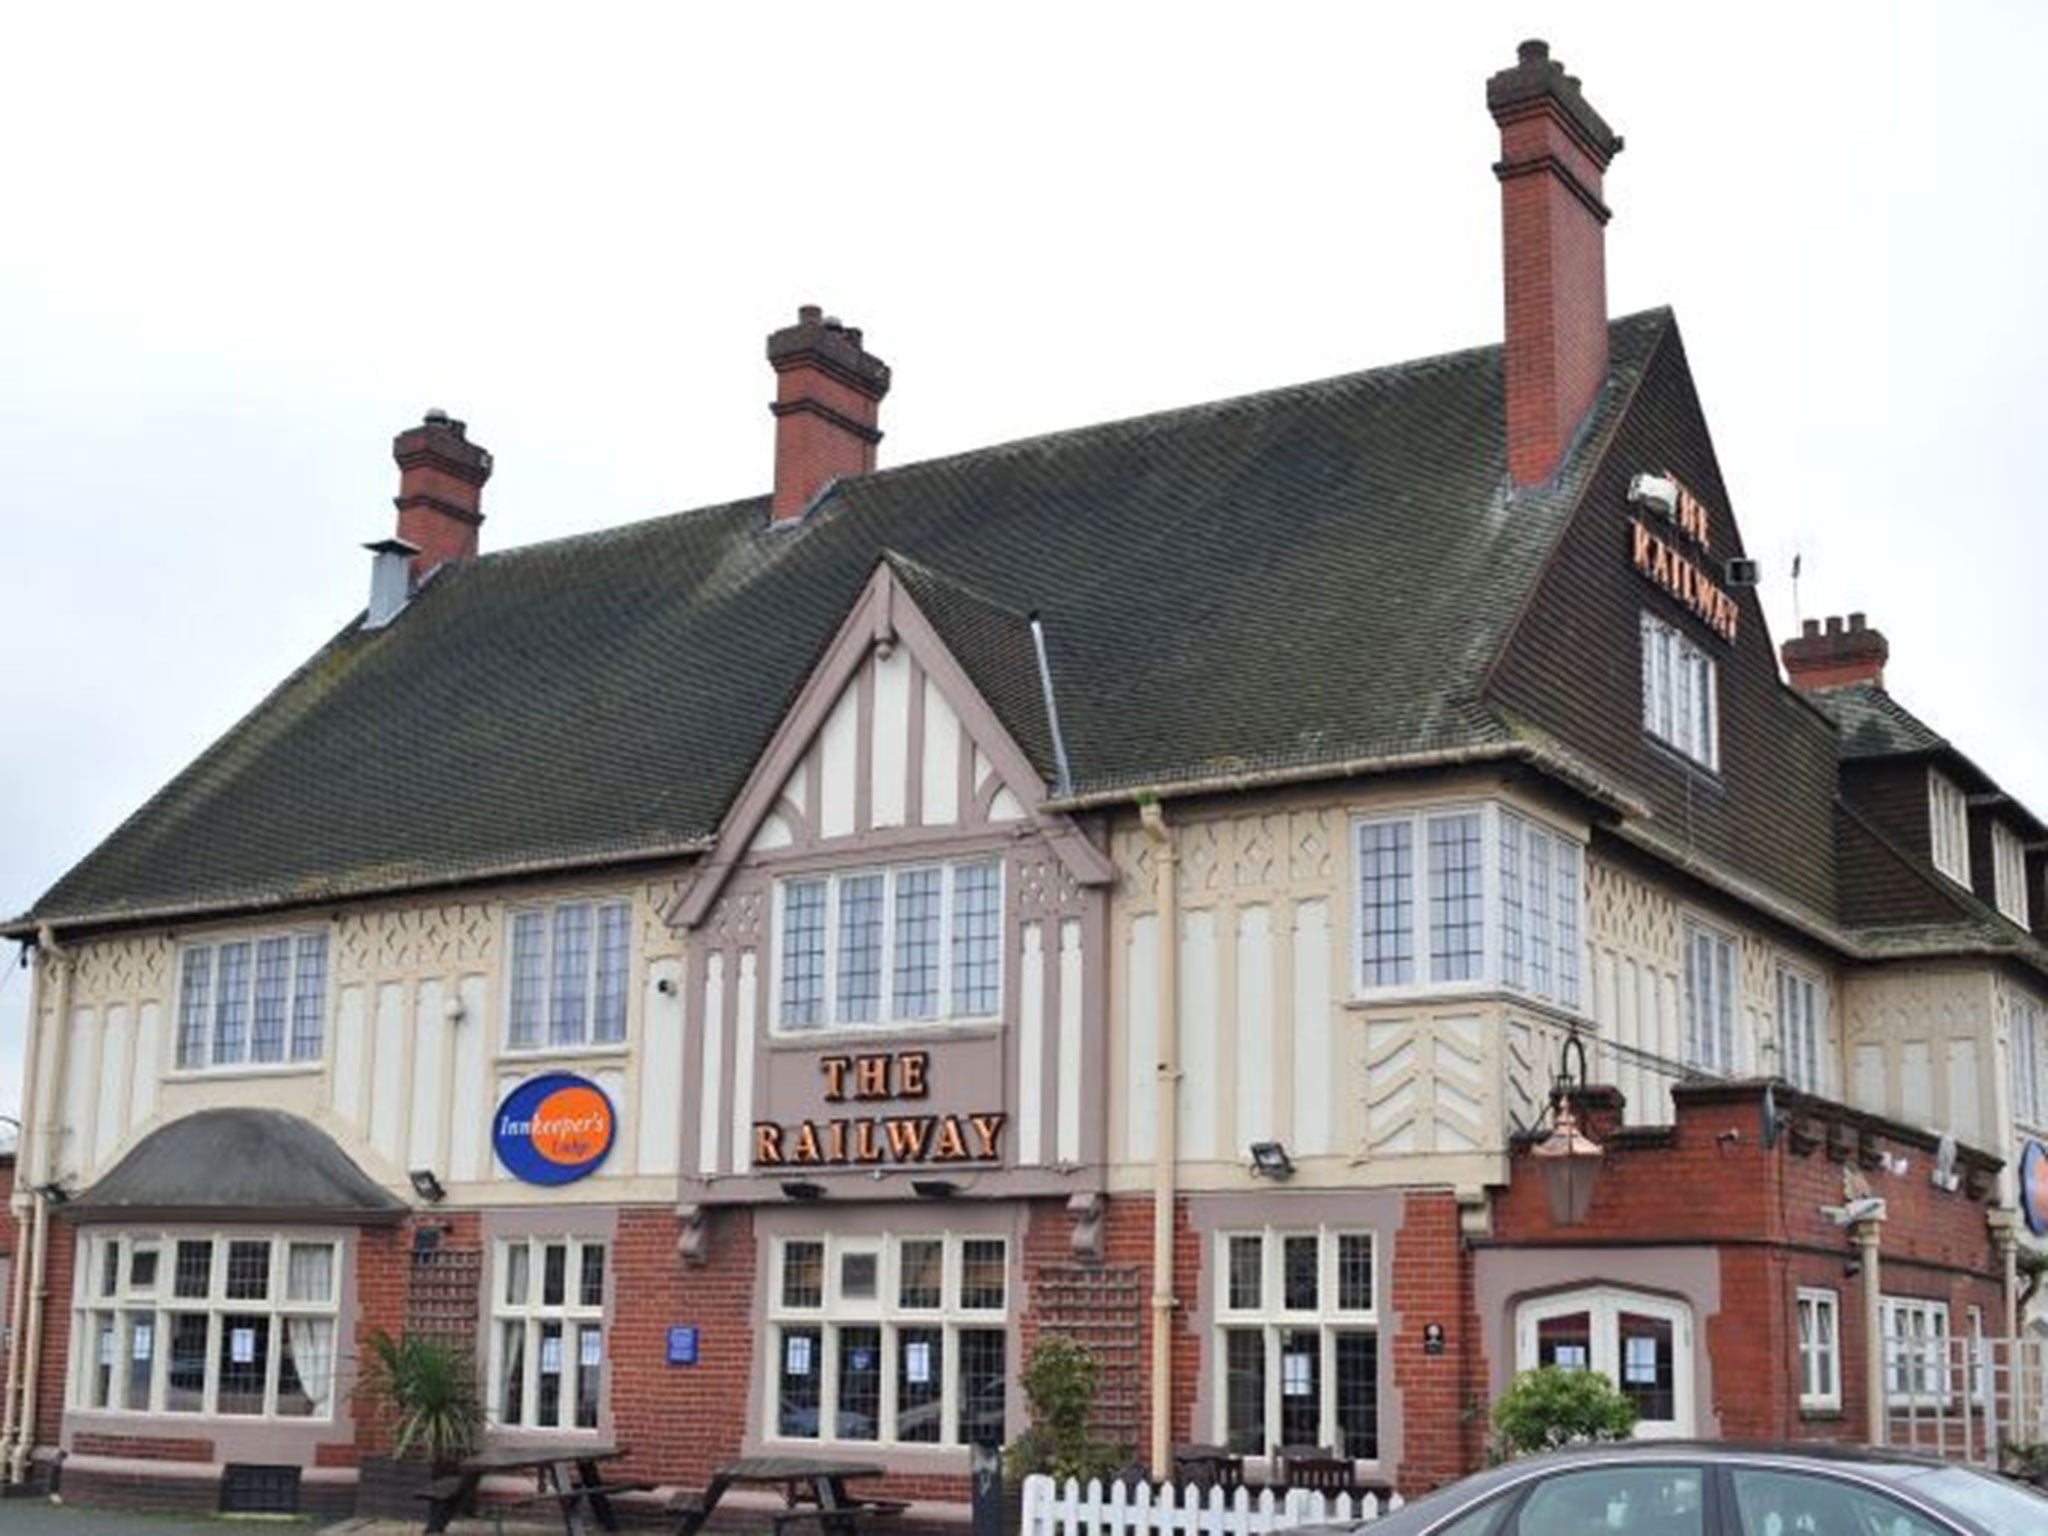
{"x": 1945, "y": 1176}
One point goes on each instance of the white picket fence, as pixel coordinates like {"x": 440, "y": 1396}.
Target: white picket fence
{"x": 1051, "y": 1509}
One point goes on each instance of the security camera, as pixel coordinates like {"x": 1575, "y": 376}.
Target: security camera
{"x": 1659, "y": 493}
{"x": 1864, "y": 1209}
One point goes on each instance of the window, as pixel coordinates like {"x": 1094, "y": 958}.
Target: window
{"x": 1459, "y": 915}
{"x": 236, "y": 1326}
{"x": 890, "y": 1340}
{"x": 1681, "y": 707}
{"x": 1642, "y": 1343}
{"x": 2024, "y": 1025}
{"x": 1619, "y": 1501}
{"x": 547, "y": 1333}
{"x": 1915, "y": 1350}
{"x": 1709, "y": 1000}
{"x": 1298, "y": 1335}
{"x": 915, "y": 944}
{"x": 1820, "y": 1350}
{"x": 1783, "y": 1503}
{"x": 1948, "y": 822}
{"x": 570, "y": 962}
{"x": 1799, "y": 1030}
{"x": 2009, "y": 872}
{"x": 252, "y": 1002}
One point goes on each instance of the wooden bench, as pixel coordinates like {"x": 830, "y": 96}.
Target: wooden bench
{"x": 561, "y": 1498}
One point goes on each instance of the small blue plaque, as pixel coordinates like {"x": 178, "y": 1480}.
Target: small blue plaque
{"x": 682, "y": 1344}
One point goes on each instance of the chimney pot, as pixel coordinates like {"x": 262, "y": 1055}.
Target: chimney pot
{"x": 1555, "y": 150}
{"x": 441, "y": 476}
{"x": 1836, "y": 656}
{"x": 828, "y": 395}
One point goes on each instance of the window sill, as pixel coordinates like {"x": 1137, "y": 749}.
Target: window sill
{"x": 782, "y": 1039}
{"x": 1820, "y": 1414}
{"x": 609, "y": 1050}
{"x": 247, "y": 1069}
{"x": 1678, "y": 757}
{"x": 130, "y": 1418}
{"x": 1464, "y": 992}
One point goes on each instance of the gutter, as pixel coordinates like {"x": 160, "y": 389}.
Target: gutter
{"x": 29, "y": 925}
{"x": 1165, "y": 1130}
{"x": 44, "y": 1117}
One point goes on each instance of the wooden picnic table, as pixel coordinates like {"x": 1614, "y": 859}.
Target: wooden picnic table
{"x": 802, "y": 1479}
{"x": 568, "y": 1474}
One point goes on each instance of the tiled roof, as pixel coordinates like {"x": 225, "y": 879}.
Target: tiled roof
{"x": 1308, "y": 576}
{"x": 1874, "y": 724}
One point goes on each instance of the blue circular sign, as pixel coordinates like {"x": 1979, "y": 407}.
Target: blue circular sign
{"x": 553, "y": 1129}
{"x": 2034, "y": 1187}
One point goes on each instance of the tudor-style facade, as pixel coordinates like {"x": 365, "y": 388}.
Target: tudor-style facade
{"x": 952, "y": 876}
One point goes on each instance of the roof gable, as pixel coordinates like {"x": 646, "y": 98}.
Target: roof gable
{"x": 890, "y": 742}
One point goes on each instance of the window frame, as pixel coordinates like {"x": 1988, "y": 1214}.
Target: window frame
{"x": 160, "y": 1302}
{"x": 532, "y": 1314}
{"x": 1920, "y": 1392}
{"x": 1692, "y": 930}
{"x": 1794, "y": 980}
{"x": 2024, "y": 1047}
{"x": 1515, "y": 931}
{"x": 1274, "y": 1318}
{"x": 253, "y": 941}
{"x": 1948, "y": 827}
{"x": 1604, "y": 1305}
{"x": 588, "y": 1041}
{"x": 2009, "y": 874}
{"x": 833, "y": 1313}
{"x": 1825, "y": 1395}
{"x": 1669, "y": 680}
{"x": 945, "y": 1014}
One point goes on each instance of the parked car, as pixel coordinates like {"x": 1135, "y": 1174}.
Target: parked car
{"x": 1667, "y": 1488}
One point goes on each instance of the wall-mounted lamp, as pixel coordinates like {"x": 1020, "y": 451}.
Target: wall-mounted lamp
{"x": 666, "y": 986}
{"x": 1569, "y": 1158}
{"x": 426, "y": 1186}
{"x": 53, "y": 1193}
{"x": 934, "y": 1189}
{"x": 1270, "y": 1160}
{"x": 456, "y": 1011}
{"x": 803, "y": 1189}
{"x": 426, "y": 1240}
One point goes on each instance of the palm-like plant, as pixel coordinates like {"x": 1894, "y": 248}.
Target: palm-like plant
{"x": 430, "y": 1389}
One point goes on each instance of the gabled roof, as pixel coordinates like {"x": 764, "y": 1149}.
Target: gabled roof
{"x": 1311, "y": 576}
{"x": 236, "y": 1164}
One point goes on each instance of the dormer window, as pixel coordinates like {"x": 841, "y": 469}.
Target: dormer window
{"x": 1949, "y": 828}
{"x": 2009, "y": 873}
{"x": 1681, "y": 702}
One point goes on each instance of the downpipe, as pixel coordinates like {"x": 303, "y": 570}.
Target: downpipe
{"x": 1166, "y": 1127}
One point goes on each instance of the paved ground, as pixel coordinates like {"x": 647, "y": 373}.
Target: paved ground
{"x": 38, "y": 1517}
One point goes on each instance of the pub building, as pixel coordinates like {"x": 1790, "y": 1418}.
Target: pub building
{"x": 1327, "y": 897}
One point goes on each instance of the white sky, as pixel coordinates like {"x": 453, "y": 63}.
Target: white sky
{"x": 240, "y": 247}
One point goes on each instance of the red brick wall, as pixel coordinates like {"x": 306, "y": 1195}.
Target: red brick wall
{"x": 1710, "y": 1181}
{"x": 143, "y": 1447}
{"x": 60, "y": 1254}
{"x": 1431, "y": 1279}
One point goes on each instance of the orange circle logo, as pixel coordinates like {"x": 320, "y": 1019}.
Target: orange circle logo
{"x": 571, "y": 1125}
{"x": 553, "y": 1128}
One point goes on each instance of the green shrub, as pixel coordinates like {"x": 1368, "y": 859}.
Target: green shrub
{"x": 1549, "y": 1407}
{"x": 429, "y": 1389}
{"x": 1060, "y": 1383}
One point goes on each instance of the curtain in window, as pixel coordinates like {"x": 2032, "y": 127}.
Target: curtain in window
{"x": 311, "y": 1342}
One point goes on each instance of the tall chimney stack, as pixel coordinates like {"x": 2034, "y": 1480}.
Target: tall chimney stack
{"x": 441, "y": 476}
{"x": 1554, "y": 149}
{"x": 828, "y": 394}
{"x": 1817, "y": 658}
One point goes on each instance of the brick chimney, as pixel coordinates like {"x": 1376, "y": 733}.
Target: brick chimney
{"x": 1554, "y": 149}
{"x": 828, "y": 394}
{"x": 441, "y": 476}
{"x": 1829, "y": 658}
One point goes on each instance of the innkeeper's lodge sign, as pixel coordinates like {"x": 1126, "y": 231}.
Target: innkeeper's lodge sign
{"x": 885, "y": 1080}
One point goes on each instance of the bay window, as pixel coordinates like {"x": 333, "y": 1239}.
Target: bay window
{"x": 1298, "y": 1340}
{"x": 1799, "y": 1030}
{"x": 889, "y": 1339}
{"x": 1710, "y": 981}
{"x": 2023, "y": 1023}
{"x": 908, "y": 944}
{"x": 235, "y": 1325}
{"x": 569, "y": 969}
{"x": 259, "y": 1001}
{"x": 1465, "y": 895}
{"x": 547, "y": 1333}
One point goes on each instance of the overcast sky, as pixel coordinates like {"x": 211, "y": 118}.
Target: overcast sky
{"x": 241, "y": 247}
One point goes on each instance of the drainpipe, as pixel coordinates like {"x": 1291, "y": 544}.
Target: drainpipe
{"x": 17, "y": 1295}
{"x": 1166, "y": 1116}
{"x": 43, "y": 1117}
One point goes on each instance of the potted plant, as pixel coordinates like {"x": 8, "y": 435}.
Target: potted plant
{"x": 425, "y": 1390}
